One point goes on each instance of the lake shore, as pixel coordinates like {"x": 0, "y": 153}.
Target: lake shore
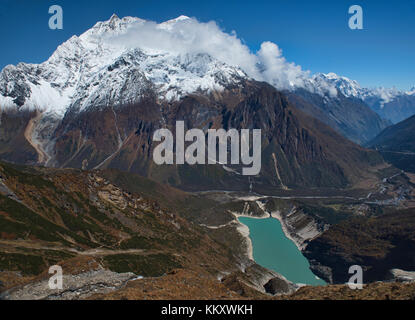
{"x": 277, "y": 215}
{"x": 244, "y": 231}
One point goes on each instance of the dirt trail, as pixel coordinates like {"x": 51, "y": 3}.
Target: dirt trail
{"x": 9, "y": 244}
{"x": 109, "y": 252}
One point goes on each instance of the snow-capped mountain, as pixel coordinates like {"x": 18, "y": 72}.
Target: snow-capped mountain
{"x": 351, "y": 88}
{"x": 98, "y": 69}
{"x": 390, "y": 103}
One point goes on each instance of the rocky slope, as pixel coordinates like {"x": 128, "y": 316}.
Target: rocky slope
{"x": 378, "y": 244}
{"x": 86, "y": 277}
{"x": 373, "y": 291}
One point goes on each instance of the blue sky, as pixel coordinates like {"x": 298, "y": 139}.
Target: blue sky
{"x": 313, "y": 34}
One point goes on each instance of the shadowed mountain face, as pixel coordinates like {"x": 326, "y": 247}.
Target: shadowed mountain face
{"x": 349, "y": 116}
{"x": 397, "y": 144}
{"x": 297, "y": 151}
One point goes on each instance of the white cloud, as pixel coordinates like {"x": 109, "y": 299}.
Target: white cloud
{"x": 277, "y": 70}
{"x": 188, "y": 36}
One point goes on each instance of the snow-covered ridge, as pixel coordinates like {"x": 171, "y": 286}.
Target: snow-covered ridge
{"x": 351, "y": 88}
{"x": 411, "y": 92}
{"x": 117, "y": 61}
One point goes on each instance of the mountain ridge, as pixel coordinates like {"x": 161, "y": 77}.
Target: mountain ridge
{"x": 81, "y": 61}
{"x": 397, "y": 145}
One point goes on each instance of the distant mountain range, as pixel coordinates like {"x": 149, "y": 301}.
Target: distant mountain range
{"x": 391, "y": 104}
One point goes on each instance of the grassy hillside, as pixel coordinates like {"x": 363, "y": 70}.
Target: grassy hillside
{"x": 50, "y": 215}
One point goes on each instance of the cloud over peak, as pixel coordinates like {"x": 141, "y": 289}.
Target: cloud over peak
{"x": 184, "y": 35}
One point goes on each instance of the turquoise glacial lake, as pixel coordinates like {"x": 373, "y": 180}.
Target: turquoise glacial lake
{"x": 274, "y": 251}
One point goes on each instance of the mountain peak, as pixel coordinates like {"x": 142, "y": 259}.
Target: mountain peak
{"x": 331, "y": 75}
{"x": 114, "y": 17}
{"x": 169, "y": 25}
{"x": 113, "y": 21}
{"x": 182, "y": 17}
{"x": 178, "y": 19}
